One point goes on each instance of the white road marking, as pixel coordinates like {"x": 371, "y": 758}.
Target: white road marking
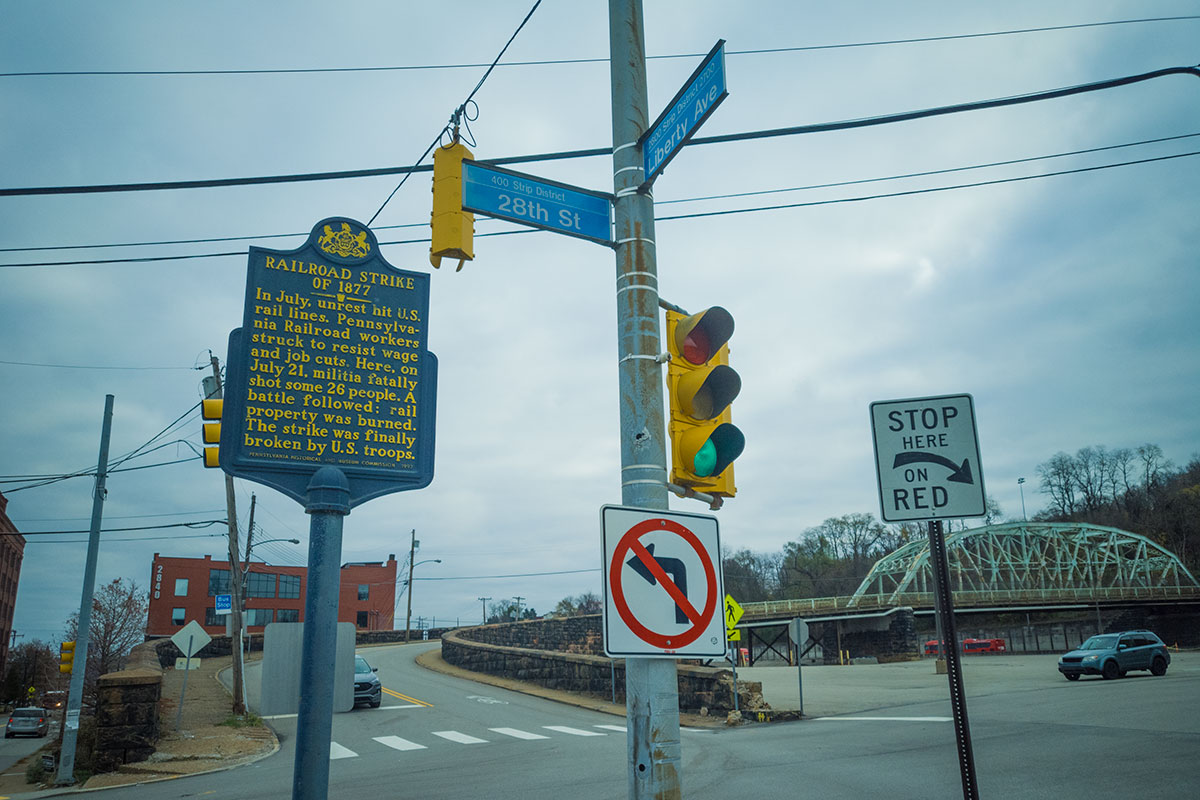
{"x": 461, "y": 738}
{"x": 396, "y": 743}
{"x": 518, "y": 734}
{"x": 572, "y": 731}
{"x": 337, "y": 751}
{"x": 886, "y": 719}
{"x": 620, "y": 728}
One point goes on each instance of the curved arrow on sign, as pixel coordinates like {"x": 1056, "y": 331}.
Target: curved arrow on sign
{"x": 959, "y": 473}
{"x": 673, "y": 567}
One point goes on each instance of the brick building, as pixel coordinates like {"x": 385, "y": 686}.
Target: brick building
{"x": 182, "y": 589}
{"x": 12, "y": 550}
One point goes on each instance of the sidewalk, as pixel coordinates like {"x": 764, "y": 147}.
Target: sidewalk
{"x": 200, "y": 743}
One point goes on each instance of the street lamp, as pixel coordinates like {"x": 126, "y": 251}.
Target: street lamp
{"x": 242, "y": 631}
{"x": 1021, "y": 486}
{"x": 408, "y": 616}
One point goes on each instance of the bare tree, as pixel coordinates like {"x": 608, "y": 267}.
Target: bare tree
{"x": 118, "y": 624}
{"x": 1057, "y": 479}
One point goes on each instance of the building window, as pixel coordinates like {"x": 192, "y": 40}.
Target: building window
{"x": 181, "y": 587}
{"x": 211, "y": 619}
{"x": 261, "y": 584}
{"x": 287, "y": 614}
{"x": 364, "y": 591}
{"x": 362, "y": 619}
{"x": 259, "y": 616}
{"x": 178, "y": 616}
{"x": 289, "y": 586}
{"x": 218, "y": 582}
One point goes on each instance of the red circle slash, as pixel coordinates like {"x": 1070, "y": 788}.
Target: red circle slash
{"x": 631, "y": 542}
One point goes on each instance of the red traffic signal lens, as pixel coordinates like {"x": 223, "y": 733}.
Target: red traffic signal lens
{"x": 696, "y": 347}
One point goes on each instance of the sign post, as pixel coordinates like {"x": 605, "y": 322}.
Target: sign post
{"x": 330, "y": 399}
{"x": 928, "y": 468}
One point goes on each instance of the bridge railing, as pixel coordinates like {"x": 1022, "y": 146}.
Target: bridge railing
{"x": 811, "y": 606}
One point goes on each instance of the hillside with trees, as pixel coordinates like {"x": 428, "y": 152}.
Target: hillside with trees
{"x": 1134, "y": 489}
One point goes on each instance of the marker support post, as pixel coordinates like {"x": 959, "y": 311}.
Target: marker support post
{"x": 328, "y": 502}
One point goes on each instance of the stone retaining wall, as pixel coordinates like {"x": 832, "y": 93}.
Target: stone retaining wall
{"x": 567, "y": 654}
{"x": 127, "y": 708}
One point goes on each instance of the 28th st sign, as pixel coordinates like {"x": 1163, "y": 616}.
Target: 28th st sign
{"x": 927, "y": 458}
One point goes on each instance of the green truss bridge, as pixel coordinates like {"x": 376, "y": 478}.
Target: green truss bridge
{"x": 1013, "y": 566}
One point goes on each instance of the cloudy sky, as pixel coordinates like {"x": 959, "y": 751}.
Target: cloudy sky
{"x": 1065, "y": 305}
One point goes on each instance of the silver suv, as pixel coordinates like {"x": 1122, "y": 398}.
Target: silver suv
{"x": 26, "y": 722}
{"x": 1114, "y": 654}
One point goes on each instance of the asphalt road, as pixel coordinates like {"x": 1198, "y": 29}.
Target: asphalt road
{"x": 1035, "y": 736}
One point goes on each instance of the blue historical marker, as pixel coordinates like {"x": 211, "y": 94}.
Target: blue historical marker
{"x": 329, "y": 369}
{"x": 683, "y": 116}
{"x": 529, "y": 200}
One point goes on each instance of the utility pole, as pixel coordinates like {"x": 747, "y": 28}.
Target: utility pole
{"x": 484, "y": 601}
{"x": 235, "y": 564}
{"x": 518, "y": 598}
{"x": 651, "y": 684}
{"x": 243, "y": 632}
{"x": 66, "y": 759}
{"x": 412, "y": 553}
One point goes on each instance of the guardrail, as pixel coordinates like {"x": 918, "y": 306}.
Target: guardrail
{"x": 810, "y": 606}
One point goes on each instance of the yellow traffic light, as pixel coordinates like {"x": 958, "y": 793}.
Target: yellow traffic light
{"x": 211, "y": 409}
{"x": 453, "y": 228}
{"x": 701, "y": 386}
{"x": 66, "y": 656}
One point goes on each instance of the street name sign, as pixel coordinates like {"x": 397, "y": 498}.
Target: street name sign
{"x": 223, "y": 604}
{"x": 330, "y": 368}
{"x": 540, "y": 203}
{"x": 693, "y": 103}
{"x": 663, "y": 586}
{"x": 927, "y": 458}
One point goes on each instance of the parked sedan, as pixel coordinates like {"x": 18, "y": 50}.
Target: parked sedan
{"x": 26, "y": 722}
{"x": 1114, "y": 654}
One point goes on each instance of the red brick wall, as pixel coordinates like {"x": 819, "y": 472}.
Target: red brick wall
{"x": 12, "y": 550}
{"x": 380, "y": 580}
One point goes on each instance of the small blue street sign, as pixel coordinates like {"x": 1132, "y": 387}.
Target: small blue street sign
{"x": 529, "y": 200}
{"x": 224, "y": 603}
{"x": 683, "y": 116}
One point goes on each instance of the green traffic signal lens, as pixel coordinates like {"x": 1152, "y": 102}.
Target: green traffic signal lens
{"x": 705, "y": 459}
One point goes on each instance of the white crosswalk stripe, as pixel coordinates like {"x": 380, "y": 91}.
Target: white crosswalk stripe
{"x": 518, "y": 734}
{"x": 461, "y": 738}
{"x": 396, "y": 743}
{"x": 572, "y": 731}
{"x": 337, "y": 751}
{"x": 620, "y": 728}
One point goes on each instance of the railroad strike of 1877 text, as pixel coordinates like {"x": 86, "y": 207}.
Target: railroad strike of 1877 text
{"x": 334, "y": 367}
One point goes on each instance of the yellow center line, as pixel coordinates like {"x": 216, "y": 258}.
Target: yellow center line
{"x": 406, "y": 697}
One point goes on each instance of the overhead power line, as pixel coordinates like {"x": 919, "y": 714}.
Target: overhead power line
{"x": 563, "y": 61}
{"x": 725, "y": 212}
{"x": 823, "y": 127}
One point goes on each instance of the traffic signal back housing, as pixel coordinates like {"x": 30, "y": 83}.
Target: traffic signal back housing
{"x": 701, "y": 386}
{"x": 453, "y": 229}
{"x": 66, "y": 657}
{"x": 212, "y": 409}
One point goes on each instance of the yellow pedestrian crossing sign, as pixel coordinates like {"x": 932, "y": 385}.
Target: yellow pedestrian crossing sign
{"x": 733, "y": 613}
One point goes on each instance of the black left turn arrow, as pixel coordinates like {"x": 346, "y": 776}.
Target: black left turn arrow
{"x": 673, "y": 567}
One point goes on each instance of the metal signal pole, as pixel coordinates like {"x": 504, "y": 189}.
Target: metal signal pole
{"x": 651, "y": 684}
{"x": 66, "y": 760}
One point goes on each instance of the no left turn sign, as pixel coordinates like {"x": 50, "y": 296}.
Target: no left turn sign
{"x": 662, "y": 584}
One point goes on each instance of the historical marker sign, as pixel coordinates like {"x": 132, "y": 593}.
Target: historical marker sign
{"x": 662, "y": 584}
{"x": 330, "y": 368}
{"x": 545, "y": 204}
{"x": 693, "y": 103}
{"x": 927, "y": 458}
